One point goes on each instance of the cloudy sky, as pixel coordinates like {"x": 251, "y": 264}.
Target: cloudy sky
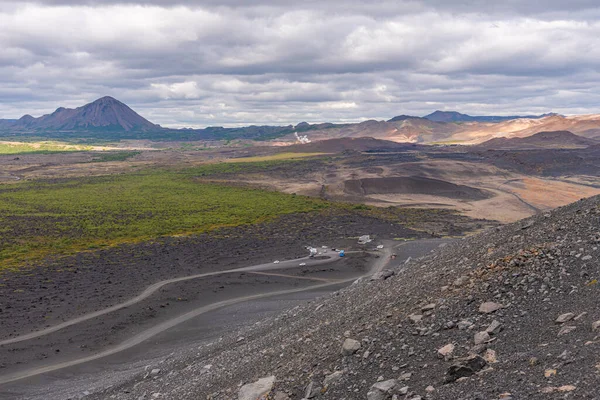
{"x": 225, "y": 62}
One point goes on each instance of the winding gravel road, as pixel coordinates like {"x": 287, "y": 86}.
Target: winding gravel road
{"x": 155, "y": 330}
{"x": 156, "y": 286}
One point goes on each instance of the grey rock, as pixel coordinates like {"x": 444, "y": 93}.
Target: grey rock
{"x": 462, "y": 325}
{"x": 564, "y": 356}
{"x": 566, "y": 329}
{"x": 332, "y": 378}
{"x": 446, "y": 351}
{"x": 253, "y": 391}
{"x": 312, "y": 390}
{"x": 405, "y": 376}
{"x": 565, "y": 318}
{"x": 596, "y": 326}
{"x": 350, "y": 346}
{"x": 490, "y": 307}
{"x": 494, "y": 327}
{"x": 382, "y": 275}
{"x": 382, "y": 390}
{"x": 464, "y": 368}
{"x": 481, "y": 337}
{"x": 415, "y": 318}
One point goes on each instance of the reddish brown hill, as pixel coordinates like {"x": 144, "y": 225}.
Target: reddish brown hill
{"x": 555, "y": 140}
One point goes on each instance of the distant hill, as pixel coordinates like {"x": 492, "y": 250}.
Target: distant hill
{"x": 108, "y": 119}
{"x": 105, "y": 113}
{"x": 555, "y": 139}
{"x": 454, "y": 116}
{"x": 403, "y": 118}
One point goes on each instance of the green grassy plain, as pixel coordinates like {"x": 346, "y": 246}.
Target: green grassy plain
{"x": 49, "y": 218}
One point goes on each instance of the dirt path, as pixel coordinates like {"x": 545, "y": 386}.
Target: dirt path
{"x": 532, "y": 207}
{"x": 158, "y": 285}
{"x": 155, "y": 330}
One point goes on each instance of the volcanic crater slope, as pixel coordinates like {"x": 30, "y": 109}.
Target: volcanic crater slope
{"x": 413, "y": 185}
{"x": 511, "y": 313}
{"x": 556, "y": 139}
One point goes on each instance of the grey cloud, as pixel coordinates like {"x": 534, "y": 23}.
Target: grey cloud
{"x": 227, "y": 63}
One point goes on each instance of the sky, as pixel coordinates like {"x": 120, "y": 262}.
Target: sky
{"x": 232, "y": 62}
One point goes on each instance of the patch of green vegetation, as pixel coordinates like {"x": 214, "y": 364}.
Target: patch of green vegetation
{"x": 114, "y": 156}
{"x": 249, "y": 166}
{"x": 39, "y": 148}
{"x": 49, "y": 218}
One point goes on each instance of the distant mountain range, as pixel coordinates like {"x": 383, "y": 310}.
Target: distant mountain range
{"x": 453, "y": 116}
{"x": 109, "y": 119}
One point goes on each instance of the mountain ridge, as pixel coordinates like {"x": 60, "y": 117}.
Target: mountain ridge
{"x": 455, "y": 116}
{"x": 109, "y": 119}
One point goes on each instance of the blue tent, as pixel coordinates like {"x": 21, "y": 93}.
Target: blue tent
{"x": 342, "y": 254}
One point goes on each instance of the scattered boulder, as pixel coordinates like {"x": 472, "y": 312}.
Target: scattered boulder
{"x": 382, "y": 390}
{"x": 446, "y": 351}
{"x": 255, "y": 390}
{"x": 462, "y": 325}
{"x": 481, "y": 337}
{"x": 281, "y": 396}
{"x": 565, "y": 318}
{"x": 312, "y": 390}
{"x": 596, "y": 326}
{"x": 350, "y": 346}
{"x": 566, "y": 329}
{"x": 332, "y": 378}
{"x": 490, "y": 307}
{"x": 493, "y": 328}
{"x": 415, "y": 318}
{"x": 382, "y": 275}
{"x": 465, "y": 368}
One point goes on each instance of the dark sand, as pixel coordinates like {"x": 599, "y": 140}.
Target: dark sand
{"x": 73, "y": 381}
{"x": 414, "y": 185}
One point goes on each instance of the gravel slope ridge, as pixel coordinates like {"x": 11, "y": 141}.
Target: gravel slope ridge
{"x": 510, "y": 313}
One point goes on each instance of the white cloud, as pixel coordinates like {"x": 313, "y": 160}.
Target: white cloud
{"x": 225, "y": 63}
{"x": 180, "y": 90}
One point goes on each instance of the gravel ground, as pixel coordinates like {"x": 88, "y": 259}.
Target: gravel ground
{"x": 511, "y": 313}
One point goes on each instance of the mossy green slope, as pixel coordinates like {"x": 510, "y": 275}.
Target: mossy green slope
{"x": 42, "y": 218}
